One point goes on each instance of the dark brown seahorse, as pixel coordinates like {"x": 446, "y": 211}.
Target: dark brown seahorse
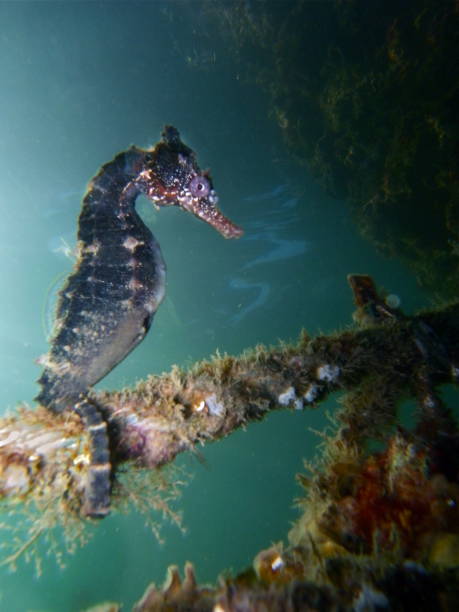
{"x": 108, "y": 302}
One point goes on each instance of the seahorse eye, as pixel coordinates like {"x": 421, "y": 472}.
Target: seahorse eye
{"x": 199, "y": 187}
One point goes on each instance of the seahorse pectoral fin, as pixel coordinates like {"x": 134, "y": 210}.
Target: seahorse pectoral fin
{"x": 112, "y": 349}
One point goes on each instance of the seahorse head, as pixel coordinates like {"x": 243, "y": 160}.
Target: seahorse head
{"x": 172, "y": 177}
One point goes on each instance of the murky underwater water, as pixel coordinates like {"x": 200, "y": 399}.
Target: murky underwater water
{"x": 80, "y": 82}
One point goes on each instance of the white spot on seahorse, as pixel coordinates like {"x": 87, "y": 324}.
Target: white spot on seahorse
{"x": 133, "y": 263}
{"x": 135, "y": 285}
{"x": 91, "y": 249}
{"x": 130, "y": 243}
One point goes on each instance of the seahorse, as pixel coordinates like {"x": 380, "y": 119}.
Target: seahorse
{"x": 108, "y": 302}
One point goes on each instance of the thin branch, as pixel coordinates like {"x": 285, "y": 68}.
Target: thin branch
{"x": 43, "y": 455}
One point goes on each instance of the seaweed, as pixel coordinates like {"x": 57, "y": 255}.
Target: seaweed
{"x": 366, "y": 97}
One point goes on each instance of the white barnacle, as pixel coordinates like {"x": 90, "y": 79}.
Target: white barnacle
{"x": 277, "y": 563}
{"x": 298, "y": 403}
{"x": 286, "y": 397}
{"x": 328, "y": 373}
{"x": 215, "y": 408}
{"x": 311, "y": 393}
{"x": 200, "y": 407}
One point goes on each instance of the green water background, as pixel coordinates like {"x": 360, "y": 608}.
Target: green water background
{"x": 81, "y": 81}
